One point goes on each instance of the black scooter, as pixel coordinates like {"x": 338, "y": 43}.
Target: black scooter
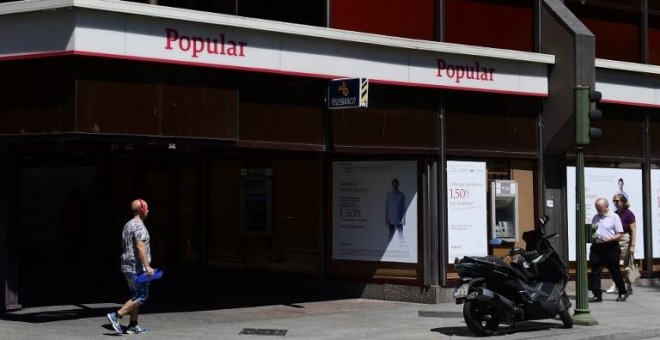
{"x": 533, "y": 287}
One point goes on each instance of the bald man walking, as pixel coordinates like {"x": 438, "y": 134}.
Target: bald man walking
{"x": 135, "y": 260}
{"x": 605, "y": 251}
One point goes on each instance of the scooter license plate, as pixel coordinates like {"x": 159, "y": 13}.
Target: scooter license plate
{"x": 461, "y": 291}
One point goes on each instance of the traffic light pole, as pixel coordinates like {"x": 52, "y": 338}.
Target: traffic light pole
{"x": 582, "y": 314}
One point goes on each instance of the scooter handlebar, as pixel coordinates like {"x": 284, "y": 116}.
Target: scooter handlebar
{"x": 531, "y": 255}
{"x": 518, "y": 251}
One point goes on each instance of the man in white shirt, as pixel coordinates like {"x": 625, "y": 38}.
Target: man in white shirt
{"x": 605, "y": 251}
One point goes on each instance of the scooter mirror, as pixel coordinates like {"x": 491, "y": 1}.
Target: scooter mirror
{"x": 495, "y": 242}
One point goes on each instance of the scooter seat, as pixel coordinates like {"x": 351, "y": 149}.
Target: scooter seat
{"x": 490, "y": 259}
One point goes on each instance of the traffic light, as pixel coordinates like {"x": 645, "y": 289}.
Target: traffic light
{"x": 590, "y": 232}
{"x": 585, "y": 113}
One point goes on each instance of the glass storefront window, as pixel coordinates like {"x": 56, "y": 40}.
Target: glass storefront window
{"x": 654, "y": 132}
{"x": 654, "y": 32}
{"x": 622, "y": 137}
{"x": 487, "y": 122}
{"x": 501, "y": 24}
{"x": 616, "y": 25}
{"x": 413, "y": 19}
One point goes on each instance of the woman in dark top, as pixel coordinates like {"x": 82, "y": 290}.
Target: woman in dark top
{"x": 627, "y": 242}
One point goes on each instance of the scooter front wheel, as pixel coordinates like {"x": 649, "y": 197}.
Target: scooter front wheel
{"x": 480, "y": 317}
{"x": 566, "y": 318}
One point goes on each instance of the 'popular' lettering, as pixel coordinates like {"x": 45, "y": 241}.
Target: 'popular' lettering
{"x": 458, "y": 72}
{"x": 200, "y": 45}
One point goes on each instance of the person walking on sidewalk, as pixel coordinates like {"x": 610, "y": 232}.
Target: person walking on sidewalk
{"x": 135, "y": 260}
{"x": 605, "y": 251}
{"x": 627, "y": 241}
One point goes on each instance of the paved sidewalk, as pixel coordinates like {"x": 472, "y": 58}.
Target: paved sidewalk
{"x": 338, "y": 319}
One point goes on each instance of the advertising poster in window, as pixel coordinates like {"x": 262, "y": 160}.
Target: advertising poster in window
{"x": 655, "y": 211}
{"x": 605, "y": 182}
{"x": 256, "y": 201}
{"x": 375, "y": 211}
{"x": 466, "y": 209}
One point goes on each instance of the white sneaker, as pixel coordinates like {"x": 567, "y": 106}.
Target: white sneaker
{"x": 137, "y": 329}
{"x": 612, "y": 290}
{"x": 114, "y": 321}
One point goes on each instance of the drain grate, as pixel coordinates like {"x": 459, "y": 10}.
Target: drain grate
{"x": 436, "y": 314}
{"x": 263, "y": 331}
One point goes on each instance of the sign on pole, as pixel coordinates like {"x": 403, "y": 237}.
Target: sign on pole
{"x": 348, "y": 93}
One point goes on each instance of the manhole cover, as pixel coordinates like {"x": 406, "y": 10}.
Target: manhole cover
{"x": 263, "y": 331}
{"x": 436, "y": 314}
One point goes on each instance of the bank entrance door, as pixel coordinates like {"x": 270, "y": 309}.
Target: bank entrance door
{"x": 174, "y": 222}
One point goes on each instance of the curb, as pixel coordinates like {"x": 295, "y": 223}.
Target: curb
{"x": 628, "y": 335}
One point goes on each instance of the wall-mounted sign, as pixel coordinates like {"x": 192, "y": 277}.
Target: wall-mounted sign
{"x": 112, "y": 30}
{"x": 348, "y": 93}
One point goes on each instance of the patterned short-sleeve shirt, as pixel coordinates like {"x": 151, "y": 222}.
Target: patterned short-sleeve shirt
{"x": 134, "y": 230}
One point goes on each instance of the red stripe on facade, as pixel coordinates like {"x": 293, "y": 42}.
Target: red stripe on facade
{"x": 629, "y": 103}
{"x": 36, "y": 55}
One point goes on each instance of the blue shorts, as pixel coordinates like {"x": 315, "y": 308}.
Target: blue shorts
{"x": 140, "y": 291}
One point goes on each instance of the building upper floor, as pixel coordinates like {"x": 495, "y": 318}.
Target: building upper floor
{"x": 400, "y": 46}
{"x": 624, "y": 29}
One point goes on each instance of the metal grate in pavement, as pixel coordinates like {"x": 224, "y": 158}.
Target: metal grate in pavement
{"x": 263, "y": 331}
{"x": 436, "y": 314}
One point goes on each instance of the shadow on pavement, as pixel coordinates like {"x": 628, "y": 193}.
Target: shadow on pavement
{"x": 58, "y": 313}
{"x": 53, "y": 303}
{"x": 528, "y": 326}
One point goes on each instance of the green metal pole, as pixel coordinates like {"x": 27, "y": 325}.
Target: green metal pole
{"x": 582, "y": 315}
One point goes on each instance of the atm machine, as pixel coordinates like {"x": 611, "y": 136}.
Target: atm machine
{"x": 504, "y": 209}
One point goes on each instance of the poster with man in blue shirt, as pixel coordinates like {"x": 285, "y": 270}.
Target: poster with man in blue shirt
{"x": 395, "y": 210}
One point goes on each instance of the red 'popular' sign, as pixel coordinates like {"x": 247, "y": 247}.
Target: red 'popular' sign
{"x": 458, "y": 72}
{"x": 197, "y": 45}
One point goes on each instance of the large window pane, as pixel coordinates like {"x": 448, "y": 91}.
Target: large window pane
{"x": 623, "y": 133}
{"x": 397, "y": 117}
{"x": 501, "y": 24}
{"x": 654, "y": 32}
{"x": 36, "y": 97}
{"x": 616, "y": 25}
{"x": 411, "y": 19}
{"x": 486, "y": 123}
{"x": 308, "y": 12}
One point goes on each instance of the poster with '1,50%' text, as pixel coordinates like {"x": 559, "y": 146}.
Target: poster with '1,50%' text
{"x": 375, "y": 211}
{"x": 466, "y": 209}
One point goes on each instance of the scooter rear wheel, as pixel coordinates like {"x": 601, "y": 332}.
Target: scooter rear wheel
{"x": 480, "y": 318}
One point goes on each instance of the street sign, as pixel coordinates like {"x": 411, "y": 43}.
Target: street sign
{"x": 348, "y": 93}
